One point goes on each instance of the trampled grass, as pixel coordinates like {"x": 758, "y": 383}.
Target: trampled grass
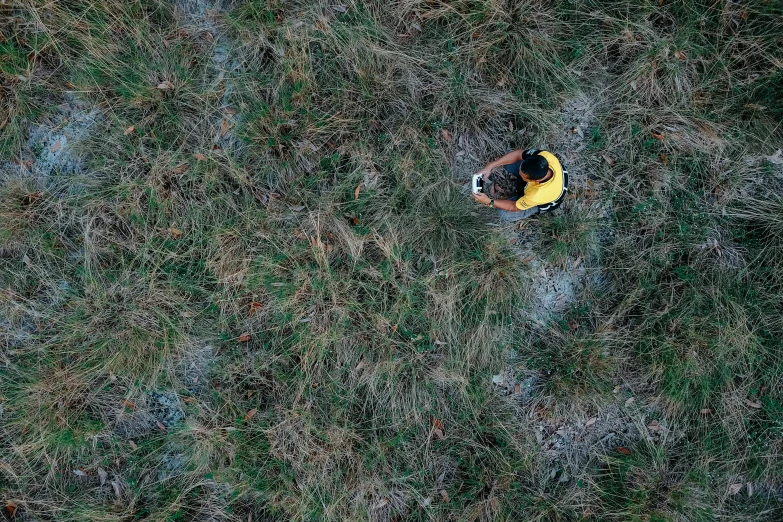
{"x": 242, "y": 279}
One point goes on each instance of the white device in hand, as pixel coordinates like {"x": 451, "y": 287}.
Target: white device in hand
{"x": 478, "y": 183}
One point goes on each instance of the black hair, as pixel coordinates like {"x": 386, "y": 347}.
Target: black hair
{"x": 535, "y": 167}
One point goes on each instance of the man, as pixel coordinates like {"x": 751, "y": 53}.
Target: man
{"x": 542, "y": 184}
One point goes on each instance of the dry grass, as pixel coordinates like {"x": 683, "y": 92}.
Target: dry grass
{"x": 248, "y": 285}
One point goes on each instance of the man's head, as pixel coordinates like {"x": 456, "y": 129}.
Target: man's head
{"x": 535, "y": 168}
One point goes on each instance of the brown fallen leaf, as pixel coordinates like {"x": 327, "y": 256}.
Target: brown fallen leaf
{"x": 165, "y": 86}
{"x": 607, "y": 158}
{"x": 3, "y": 123}
{"x": 680, "y": 55}
{"x": 255, "y": 306}
{"x": 446, "y": 135}
{"x": 181, "y": 168}
{"x": 355, "y": 221}
{"x": 229, "y": 110}
{"x": 438, "y": 433}
{"x": 133, "y": 445}
{"x": 249, "y": 415}
{"x": 79, "y": 473}
{"x": 199, "y": 156}
{"x": 654, "y": 426}
{"x": 189, "y": 400}
{"x": 528, "y": 259}
{"x": 175, "y": 233}
{"x": 438, "y": 425}
{"x": 129, "y": 130}
{"x": 657, "y": 136}
{"x": 616, "y": 389}
{"x": 362, "y": 364}
{"x": 753, "y": 404}
{"x": 116, "y": 487}
{"x": 245, "y": 337}
{"x": 160, "y": 426}
{"x": 224, "y": 127}
{"x": 624, "y": 451}
{"x": 664, "y": 159}
{"x": 57, "y": 145}
{"x": 10, "y": 508}
{"x": 629, "y": 401}
{"x": 356, "y": 192}
{"x": 591, "y": 422}
{"x": 735, "y": 488}
{"x": 705, "y": 411}
{"x": 517, "y": 388}
{"x": 128, "y": 404}
{"x": 444, "y": 496}
{"x": 578, "y": 262}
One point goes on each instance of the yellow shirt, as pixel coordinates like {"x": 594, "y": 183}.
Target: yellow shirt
{"x": 543, "y": 193}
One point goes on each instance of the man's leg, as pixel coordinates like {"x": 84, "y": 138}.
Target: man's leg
{"x": 510, "y": 217}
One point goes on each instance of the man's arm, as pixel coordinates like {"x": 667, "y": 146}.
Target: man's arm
{"x": 502, "y": 204}
{"x": 508, "y": 159}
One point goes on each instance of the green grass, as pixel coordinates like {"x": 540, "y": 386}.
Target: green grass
{"x": 319, "y": 337}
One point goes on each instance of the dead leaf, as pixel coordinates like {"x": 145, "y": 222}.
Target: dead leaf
{"x": 664, "y": 159}
{"x": 175, "y": 233}
{"x": 133, "y": 445}
{"x": 102, "y": 475}
{"x": 190, "y": 400}
{"x": 654, "y": 426}
{"x": 356, "y": 192}
{"x": 10, "y": 508}
{"x": 528, "y": 259}
{"x": 446, "y": 135}
{"x": 181, "y": 168}
{"x": 79, "y": 473}
{"x": 255, "y": 306}
{"x": 199, "y": 156}
{"x": 438, "y": 433}
{"x": 517, "y": 388}
{"x": 438, "y": 425}
{"x": 578, "y": 262}
{"x": 57, "y": 145}
{"x": 657, "y": 136}
{"x": 624, "y": 451}
{"x": 249, "y": 415}
{"x": 3, "y": 123}
{"x": 161, "y": 426}
{"x": 680, "y": 55}
{"x": 129, "y": 130}
{"x": 224, "y": 127}
{"x": 607, "y": 158}
{"x": 165, "y": 86}
{"x": 128, "y": 404}
{"x": 591, "y": 422}
{"x": 753, "y": 404}
{"x": 616, "y": 389}
{"x": 362, "y": 364}
{"x": 394, "y": 328}
{"x": 340, "y": 8}
{"x": 749, "y": 486}
{"x": 245, "y": 337}
{"x": 444, "y": 496}
{"x": 297, "y": 208}
{"x": 229, "y": 110}
{"x": 629, "y": 401}
{"x": 116, "y": 486}
{"x": 355, "y": 221}
{"x": 735, "y": 488}
{"x": 705, "y": 411}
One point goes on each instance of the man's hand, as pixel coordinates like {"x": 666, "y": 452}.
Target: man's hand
{"x": 481, "y": 198}
{"x": 485, "y": 172}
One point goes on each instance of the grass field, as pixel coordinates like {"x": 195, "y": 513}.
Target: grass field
{"x": 241, "y": 277}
